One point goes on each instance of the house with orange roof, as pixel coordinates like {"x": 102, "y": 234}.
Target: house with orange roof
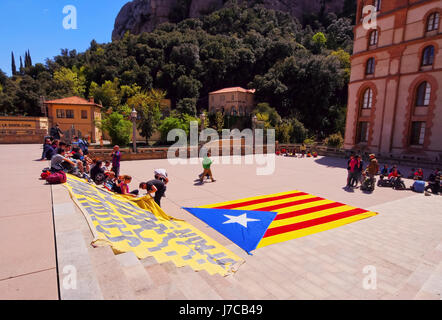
{"x": 75, "y": 116}
{"x": 234, "y": 101}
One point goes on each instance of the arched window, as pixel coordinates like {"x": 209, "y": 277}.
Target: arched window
{"x": 373, "y": 37}
{"x": 367, "y": 99}
{"x": 423, "y": 94}
{"x": 433, "y": 21}
{"x": 428, "y": 56}
{"x": 377, "y": 5}
{"x": 369, "y": 69}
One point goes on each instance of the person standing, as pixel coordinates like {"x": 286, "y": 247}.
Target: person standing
{"x": 358, "y": 169}
{"x": 116, "y": 158}
{"x": 207, "y": 162}
{"x": 373, "y": 166}
{"x": 351, "y": 164}
{"x": 56, "y": 132}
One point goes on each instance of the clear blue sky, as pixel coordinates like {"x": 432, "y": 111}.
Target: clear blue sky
{"x": 37, "y": 25}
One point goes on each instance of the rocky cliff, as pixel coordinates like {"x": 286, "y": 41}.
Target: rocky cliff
{"x": 140, "y": 16}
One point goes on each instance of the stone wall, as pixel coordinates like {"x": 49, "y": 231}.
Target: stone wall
{"x": 23, "y": 130}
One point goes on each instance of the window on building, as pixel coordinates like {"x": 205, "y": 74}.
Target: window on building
{"x": 70, "y": 114}
{"x": 428, "y": 56}
{"x": 433, "y": 21}
{"x": 374, "y": 37}
{"x": 61, "y": 113}
{"x": 369, "y": 69}
{"x": 363, "y": 132}
{"x": 367, "y": 99}
{"x": 377, "y": 5}
{"x": 83, "y": 114}
{"x": 423, "y": 95}
{"x": 417, "y": 133}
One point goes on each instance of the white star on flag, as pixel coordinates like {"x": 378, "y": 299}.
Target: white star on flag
{"x": 242, "y": 219}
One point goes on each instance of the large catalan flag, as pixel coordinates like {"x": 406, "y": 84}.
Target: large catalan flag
{"x": 295, "y": 214}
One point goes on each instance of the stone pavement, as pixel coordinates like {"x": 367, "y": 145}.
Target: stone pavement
{"x": 27, "y": 251}
{"x": 399, "y": 250}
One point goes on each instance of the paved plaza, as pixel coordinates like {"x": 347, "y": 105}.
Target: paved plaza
{"x": 400, "y": 249}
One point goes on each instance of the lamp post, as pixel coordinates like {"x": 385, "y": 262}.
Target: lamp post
{"x": 254, "y": 122}
{"x": 133, "y": 116}
{"x": 203, "y": 120}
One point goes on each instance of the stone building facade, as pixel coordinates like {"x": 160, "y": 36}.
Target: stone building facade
{"x": 395, "y": 91}
{"x": 235, "y": 101}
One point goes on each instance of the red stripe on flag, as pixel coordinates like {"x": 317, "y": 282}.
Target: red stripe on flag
{"x": 312, "y": 223}
{"x": 289, "y": 204}
{"x": 263, "y": 200}
{"x": 301, "y": 212}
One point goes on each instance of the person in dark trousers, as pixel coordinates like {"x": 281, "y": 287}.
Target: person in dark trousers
{"x": 56, "y": 132}
{"x": 358, "y": 169}
{"x": 116, "y": 158}
{"x": 154, "y": 186}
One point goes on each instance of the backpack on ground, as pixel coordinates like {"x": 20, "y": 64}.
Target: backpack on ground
{"x": 56, "y": 178}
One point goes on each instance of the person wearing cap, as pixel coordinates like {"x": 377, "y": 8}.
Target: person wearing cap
{"x": 373, "y": 166}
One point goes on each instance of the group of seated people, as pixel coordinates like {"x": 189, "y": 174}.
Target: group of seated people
{"x": 294, "y": 153}
{"x": 418, "y": 175}
{"x": 72, "y": 160}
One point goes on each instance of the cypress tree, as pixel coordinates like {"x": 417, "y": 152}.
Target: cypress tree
{"x": 13, "y": 66}
{"x": 29, "y": 57}
{"x": 21, "y": 65}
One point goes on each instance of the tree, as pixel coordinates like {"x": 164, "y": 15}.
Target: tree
{"x": 219, "y": 121}
{"x": 187, "y": 106}
{"x": 13, "y": 66}
{"x": 69, "y": 82}
{"x": 148, "y": 105}
{"x": 118, "y": 127}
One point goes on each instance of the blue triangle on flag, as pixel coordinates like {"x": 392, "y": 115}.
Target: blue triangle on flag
{"x": 244, "y": 228}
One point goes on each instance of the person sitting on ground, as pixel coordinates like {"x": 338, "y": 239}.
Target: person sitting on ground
{"x": 97, "y": 173}
{"x": 48, "y": 150}
{"x": 394, "y": 174}
{"x": 124, "y": 186}
{"x": 384, "y": 171}
{"x": 434, "y": 182}
{"x": 154, "y": 186}
{"x": 60, "y": 163}
{"x": 110, "y": 180}
{"x": 107, "y": 166}
{"x": 207, "y": 162}
{"x": 303, "y": 149}
{"x": 419, "y": 174}
{"x": 81, "y": 144}
{"x": 55, "y": 144}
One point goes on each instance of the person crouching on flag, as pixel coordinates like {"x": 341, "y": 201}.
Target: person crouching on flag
{"x": 207, "y": 162}
{"x": 157, "y": 186}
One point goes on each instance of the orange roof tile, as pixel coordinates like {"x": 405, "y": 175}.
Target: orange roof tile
{"x": 72, "y": 101}
{"x": 234, "y": 89}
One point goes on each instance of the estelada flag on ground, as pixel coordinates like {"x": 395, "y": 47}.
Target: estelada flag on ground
{"x": 141, "y": 226}
{"x": 260, "y": 221}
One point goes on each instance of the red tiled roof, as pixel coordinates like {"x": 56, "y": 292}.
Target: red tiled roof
{"x": 72, "y": 101}
{"x": 234, "y": 89}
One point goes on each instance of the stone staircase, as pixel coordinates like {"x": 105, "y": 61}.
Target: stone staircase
{"x": 88, "y": 273}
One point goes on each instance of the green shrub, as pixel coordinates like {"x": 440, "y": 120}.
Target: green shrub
{"x": 119, "y": 129}
{"x": 299, "y": 132}
{"x": 334, "y": 140}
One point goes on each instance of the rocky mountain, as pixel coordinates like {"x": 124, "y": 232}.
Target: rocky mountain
{"x": 139, "y": 16}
